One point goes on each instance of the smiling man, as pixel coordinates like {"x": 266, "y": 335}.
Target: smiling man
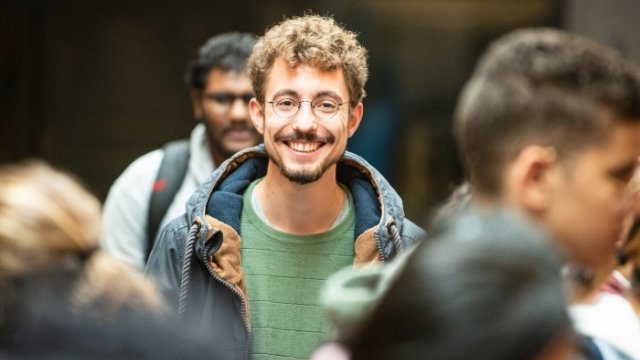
{"x": 155, "y": 187}
{"x": 302, "y": 205}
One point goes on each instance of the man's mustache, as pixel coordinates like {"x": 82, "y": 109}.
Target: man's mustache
{"x": 297, "y": 135}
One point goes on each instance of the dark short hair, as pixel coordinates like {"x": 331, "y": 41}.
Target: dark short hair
{"x": 540, "y": 86}
{"x": 484, "y": 285}
{"x": 228, "y": 51}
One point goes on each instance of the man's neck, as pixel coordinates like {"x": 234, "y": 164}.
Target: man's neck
{"x": 300, "y": 209}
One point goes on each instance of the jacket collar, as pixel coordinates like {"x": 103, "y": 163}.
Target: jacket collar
{"x": 378, "y": 207}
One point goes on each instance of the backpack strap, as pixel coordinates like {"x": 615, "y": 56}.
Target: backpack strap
{"x": 173, "y": 169}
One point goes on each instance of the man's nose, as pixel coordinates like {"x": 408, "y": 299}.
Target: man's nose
{"x": 305, "y": 119}
{"x": 239, "y": 110}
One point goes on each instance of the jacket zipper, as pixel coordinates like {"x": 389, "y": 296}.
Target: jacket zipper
{"x": 242, "y": 311}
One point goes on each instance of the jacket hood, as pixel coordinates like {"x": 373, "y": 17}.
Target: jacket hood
{"x": 376, "y": 203}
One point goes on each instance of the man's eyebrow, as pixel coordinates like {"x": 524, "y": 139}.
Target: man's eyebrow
{"x": 293, "y": 93}
{"x": 332, "y": 94}
{"x": 285, "y": 92}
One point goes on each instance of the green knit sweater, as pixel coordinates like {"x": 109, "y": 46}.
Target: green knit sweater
{"x": 285, "y": 274}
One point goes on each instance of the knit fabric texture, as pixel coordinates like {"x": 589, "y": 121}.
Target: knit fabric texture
{"x": 285, "y": 274}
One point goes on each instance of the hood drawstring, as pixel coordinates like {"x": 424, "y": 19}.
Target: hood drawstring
{"x": 186, "y": 266}
{"x": 394, "y": 234}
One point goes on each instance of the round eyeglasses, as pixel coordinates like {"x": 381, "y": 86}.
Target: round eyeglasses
{"x": 287, "y": 106}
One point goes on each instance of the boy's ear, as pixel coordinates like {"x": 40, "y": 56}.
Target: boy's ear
{"x": 196, "y": 103}
{"x": 532, "y": 178}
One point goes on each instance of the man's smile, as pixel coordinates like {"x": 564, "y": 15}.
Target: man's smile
{"x": 305, "y": 146}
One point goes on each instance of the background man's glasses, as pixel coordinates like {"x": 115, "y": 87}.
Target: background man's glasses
{"x": 222, "y": 101}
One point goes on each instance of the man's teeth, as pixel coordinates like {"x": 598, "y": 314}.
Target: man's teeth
{"x": 304, "y": 147}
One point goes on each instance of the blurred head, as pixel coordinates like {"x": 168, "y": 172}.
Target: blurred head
{"x": 550, "y": 123}
{"x": 309, "y": 75}
{"x": 486, "y": 286}
{"x": 220, "y": 91}
{"x": 46, "y": 219}
{"x": 50, "y": 223}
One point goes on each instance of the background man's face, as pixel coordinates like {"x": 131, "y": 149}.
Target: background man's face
{"x": 223, "y": 107}
{"x": 591, "y": 196}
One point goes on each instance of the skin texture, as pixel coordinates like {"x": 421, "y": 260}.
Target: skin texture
{"x": 303, "y": 150}
{"x": 229, "y": 131}
{"x": 590, "y": 197}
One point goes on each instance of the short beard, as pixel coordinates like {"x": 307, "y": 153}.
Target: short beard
{"x": 302, "y": 178}
{"x": 305, "y": 176}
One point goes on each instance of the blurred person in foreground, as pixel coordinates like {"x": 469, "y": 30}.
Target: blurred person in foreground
{"x": 154, "y": 189}
{"x": 49, "y": 231}
{"x": 54, "y": 280}
{"x": 485, "y": 286}
{"x": 606, "y": 301}
{"x": 62, "y": 297}
{"x": 248, "y": 260}
{"x": 549, "y": 126}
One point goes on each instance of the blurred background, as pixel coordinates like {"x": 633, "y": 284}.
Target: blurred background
{"x": 90, "y": 85}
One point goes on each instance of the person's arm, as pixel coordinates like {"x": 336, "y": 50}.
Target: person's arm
{"x": 165, "y": 261}
{"x": 124, "y": 233}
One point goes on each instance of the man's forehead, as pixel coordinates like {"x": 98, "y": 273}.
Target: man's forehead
{"x": 624, "y": 134}
{"x": 620, "y": 147}
{"x": 224, "y": 77}
{"x": 304, "y": 77}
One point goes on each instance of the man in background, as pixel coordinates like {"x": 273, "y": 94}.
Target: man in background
{"x": 148, "y": 195}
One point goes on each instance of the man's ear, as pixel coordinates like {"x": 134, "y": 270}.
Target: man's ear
{"x": 531, "y": 179}
{"x": 256, "y": 111}
{"x": 354, "y": 119}
{"x": 196, "y": 103}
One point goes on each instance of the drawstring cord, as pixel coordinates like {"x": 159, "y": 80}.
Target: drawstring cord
{"x": 186, "y": 265}
{"x": 395, "y": 235}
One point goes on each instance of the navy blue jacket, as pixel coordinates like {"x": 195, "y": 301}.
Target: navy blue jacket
{"x": 196, "y": 258}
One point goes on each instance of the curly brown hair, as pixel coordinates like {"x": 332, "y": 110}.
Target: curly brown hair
{"x": 315, "y": 40}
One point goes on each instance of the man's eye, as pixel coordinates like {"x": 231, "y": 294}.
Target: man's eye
{"x": 327, "y": 105}
{"x": 247, "y": 97}
{"x": 286, "y": 103}
{"x": 221, "y": 98}
{"x": 623, "y": 174}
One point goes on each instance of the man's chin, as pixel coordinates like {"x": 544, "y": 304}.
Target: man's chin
{"x": 301, "y": 177}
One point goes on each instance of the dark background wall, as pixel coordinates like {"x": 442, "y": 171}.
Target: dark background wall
{"x": 91, "y": 85}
